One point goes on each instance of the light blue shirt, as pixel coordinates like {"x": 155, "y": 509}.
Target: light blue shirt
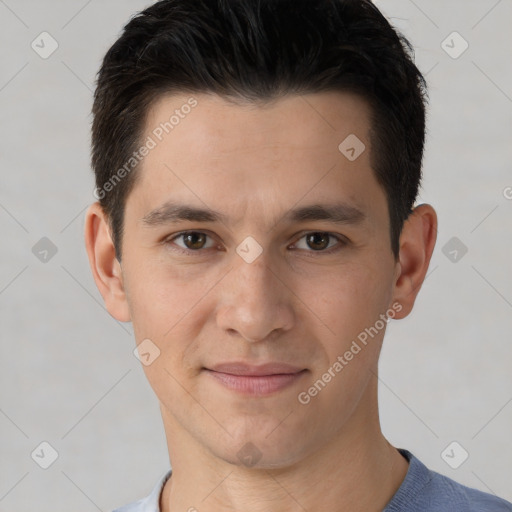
{"x": 422, "y": 490}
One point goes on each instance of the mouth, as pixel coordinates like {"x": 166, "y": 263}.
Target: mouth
{"x": 254, "y": 380}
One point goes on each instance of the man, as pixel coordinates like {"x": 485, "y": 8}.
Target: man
{"x": 257, "y": 165}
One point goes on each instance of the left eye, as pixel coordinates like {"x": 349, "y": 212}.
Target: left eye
{"x": 318, "y": 241}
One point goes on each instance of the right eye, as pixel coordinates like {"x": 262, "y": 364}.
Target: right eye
{"x": 191, "y": 241}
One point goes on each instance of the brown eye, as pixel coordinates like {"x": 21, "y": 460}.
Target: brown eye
{"x": 194, "y": 240}
{"x": 191, "y": 241}
{"x": 317, "y": 241}
{"x": 320, "y": 242}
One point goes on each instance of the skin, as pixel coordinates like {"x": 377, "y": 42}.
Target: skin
{"x": 292, "y": 304}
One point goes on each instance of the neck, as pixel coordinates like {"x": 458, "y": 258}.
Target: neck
{"x": 357, "y": 469}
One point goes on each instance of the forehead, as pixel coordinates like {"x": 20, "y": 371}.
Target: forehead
{"x": 213, "y": 151}
{"x": 299, "y": 121}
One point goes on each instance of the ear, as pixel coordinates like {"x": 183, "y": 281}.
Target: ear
{"x": 417, "y": 242}
{"x": 105, "y": 267}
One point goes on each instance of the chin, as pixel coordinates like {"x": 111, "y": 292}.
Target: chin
{"x": 262, "y": 451}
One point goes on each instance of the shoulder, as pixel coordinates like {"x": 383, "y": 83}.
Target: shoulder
{"x": 136, "y": 506}
{"x": 424, "y": 490}
{"x": 448, "y": 494}
{"x": 150, "y": 503}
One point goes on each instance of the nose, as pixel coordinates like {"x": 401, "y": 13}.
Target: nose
{"x": 254, "y": 302}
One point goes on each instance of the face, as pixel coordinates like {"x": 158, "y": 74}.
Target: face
{"x": 254, "y": 299}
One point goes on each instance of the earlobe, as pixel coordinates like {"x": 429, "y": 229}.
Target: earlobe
{"x": 106, "y": 269}
{"x": 417, "y": 242}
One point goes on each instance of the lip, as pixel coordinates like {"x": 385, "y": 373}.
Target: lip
{"x": 241, "y": 368}
{"x": 257, "y": 380}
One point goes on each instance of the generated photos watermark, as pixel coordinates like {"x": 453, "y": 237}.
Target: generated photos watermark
{"x": 151, "y": 142}
{"x": 304, "y": 397}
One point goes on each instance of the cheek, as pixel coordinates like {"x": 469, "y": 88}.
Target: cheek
{"x": 348, "y": 299}
{"x": 167, "y": 309}
{"x": 170, "y": 306}
{"x": 350, "y": 305}
{"x": 158, "y": 299}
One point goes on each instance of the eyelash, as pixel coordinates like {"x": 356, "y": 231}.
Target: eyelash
{"x": 189, "y": 252}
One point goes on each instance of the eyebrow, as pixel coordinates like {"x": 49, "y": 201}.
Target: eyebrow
{"x": 171, "y": 212}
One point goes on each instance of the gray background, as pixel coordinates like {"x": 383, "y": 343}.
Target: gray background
{"x": 67, "y": 372}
